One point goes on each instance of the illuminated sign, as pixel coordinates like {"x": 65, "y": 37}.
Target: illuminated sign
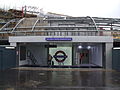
{"x": 58, "y": 39}
{"x": 60, "y": 56}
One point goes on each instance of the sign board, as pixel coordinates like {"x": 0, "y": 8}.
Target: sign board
{"x": 58, "y": 39}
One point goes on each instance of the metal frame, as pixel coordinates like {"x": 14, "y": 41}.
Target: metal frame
{"x": 95, "y": 22}
{"x": 17, "y": 24}
{"x": 35, "y": 24}
{"x": 6, "y": 24}
{"x": 57, "y": 27}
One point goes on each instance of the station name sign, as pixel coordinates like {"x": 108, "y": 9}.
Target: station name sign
{"x": 58, "y": 39}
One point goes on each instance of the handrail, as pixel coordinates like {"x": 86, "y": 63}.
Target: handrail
{"x": 102, "y": 26}
{"x": 53, "y": 31}
{"x": 61, "y": 31}
{"x": 35, "y": 24}
{"x": 6, "y": 24}
{"x": 17, "y": 24}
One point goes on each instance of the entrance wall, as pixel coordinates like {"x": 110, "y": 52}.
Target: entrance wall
{"x": 108, "y": 55}
{"x": 96, "y": 55}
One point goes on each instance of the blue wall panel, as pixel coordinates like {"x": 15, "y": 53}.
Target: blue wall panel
{"x": 7, "y": 58}
{"x": 116, "y": 59}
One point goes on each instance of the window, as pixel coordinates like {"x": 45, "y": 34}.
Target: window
{"x": 22, "y": 53}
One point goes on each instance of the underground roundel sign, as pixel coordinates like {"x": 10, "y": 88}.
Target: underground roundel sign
{"x": 60, "y": 56}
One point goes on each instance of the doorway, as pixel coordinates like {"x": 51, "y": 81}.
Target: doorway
{"x": 88, "y": 55}
{"x": 84, "y": 56}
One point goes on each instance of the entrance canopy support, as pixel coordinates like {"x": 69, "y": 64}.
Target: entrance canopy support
{"x": 108, "y": 53}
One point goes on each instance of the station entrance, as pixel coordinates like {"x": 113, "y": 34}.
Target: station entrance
{"x": 62, "y": 55}
{"x": 76, "y": 55}
{"x": 78, "y": 51}
{"x": 88, "y": 54}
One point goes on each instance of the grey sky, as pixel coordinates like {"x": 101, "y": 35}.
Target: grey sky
{"x": 97, "y": 8}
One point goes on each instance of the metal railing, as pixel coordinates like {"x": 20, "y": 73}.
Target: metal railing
{"x": 13, "y": 20}
{"x": 57, "y": 33}
{"x": 17, "y": 24}
{"x": 94, "y": 26}
{"x": 35, "y": 24}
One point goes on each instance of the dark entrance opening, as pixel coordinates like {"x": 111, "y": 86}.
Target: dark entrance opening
{"x": 84, "y": 56}
{"x": 88, "y": 55}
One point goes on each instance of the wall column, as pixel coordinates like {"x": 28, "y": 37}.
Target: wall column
{"x": 108, "y": 53}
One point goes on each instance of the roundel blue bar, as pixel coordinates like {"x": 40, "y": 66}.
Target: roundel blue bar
{"x": 58, "y": 39}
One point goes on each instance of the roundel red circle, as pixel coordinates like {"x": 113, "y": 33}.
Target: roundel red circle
{"x": 60, "y": 56}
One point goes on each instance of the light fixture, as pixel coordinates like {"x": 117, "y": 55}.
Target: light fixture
{"x": 10, "y": 47}
{"x": 88, "y": 47}
{"x": 79, "y": 47}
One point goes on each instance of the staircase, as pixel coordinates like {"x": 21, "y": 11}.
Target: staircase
{"x": 32, "y": 58}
